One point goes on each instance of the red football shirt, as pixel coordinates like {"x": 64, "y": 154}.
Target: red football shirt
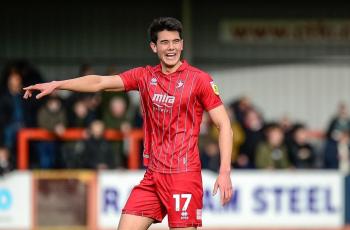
{"x": 172, "y": 107}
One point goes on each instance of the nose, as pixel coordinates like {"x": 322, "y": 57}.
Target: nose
{"x": 171, "y": 46}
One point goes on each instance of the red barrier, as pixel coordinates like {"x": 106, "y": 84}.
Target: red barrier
{"x": 26, "y": 135}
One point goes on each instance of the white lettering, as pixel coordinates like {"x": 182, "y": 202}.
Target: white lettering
{"x": 161, "y": 100}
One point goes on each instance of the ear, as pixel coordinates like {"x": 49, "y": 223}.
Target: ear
{"x": 182, "y": 45}
{"x": 153, "y": 47}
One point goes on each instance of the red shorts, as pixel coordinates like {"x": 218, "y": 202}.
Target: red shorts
{"x": 180, "y": 195}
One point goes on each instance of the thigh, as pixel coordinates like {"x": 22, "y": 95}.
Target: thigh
{"x": 132, "y": 222}
{"x": 144, "y": 201}
{"x": 184, "y": 200}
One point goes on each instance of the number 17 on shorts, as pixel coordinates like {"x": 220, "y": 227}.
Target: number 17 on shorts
{"x": 178, "y": 203}
{"x": 186, "y": 210}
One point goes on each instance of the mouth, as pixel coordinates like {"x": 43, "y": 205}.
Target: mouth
{"x": 170, "y": 56}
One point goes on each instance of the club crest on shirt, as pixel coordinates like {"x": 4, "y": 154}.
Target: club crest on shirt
{"x": 214, "y": 87}
{"x": 179, "y": 84}
{"x": 153, "y": 81}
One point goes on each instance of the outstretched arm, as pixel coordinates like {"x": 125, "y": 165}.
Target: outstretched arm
{"x": 88, "y": 83}
{"x": 223, "y": 182}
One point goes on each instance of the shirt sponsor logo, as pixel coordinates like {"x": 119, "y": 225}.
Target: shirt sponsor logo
{"x": 163, "y": 100}
{"x": 214, "y": 87}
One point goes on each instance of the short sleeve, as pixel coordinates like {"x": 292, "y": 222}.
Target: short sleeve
{"x": 208, "y": 92}
{"x": 131, "y": 78}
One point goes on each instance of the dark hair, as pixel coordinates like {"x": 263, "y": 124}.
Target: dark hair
{"x": 29, "y": 73}
{"x": 164, "y": 23}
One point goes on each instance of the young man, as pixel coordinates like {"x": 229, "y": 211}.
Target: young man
{"x": 173, "y": 96}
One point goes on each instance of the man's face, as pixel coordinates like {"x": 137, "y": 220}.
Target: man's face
{"x": 168, "y": 47}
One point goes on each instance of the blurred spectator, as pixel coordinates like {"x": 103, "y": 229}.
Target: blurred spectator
{"x": 301, "y": 152}
{"x": 73, "y": 154}
{"x": 240, "y": 107}
{"x": 77, "y": 116}
{"x": 98, "y": 152}
{"x": 80, "y": 116}
{"x": 340, "y": 124}
{"x": 15, "y": 75}
{"x": 117, "y": 118}
{"x": 210, "y": 156}
{"x": 29, "y": 74}
{"x": 337, "y": 132}
{"x": 286, "y": 124}
{"x": 117, "y": 115}
{"x": 5, "y": 164}
{"x": 253, "y": 130}
{"x": 86, "y": 108}
{"x": 52, "y": 117}
{"x": 272, "y": 154}
{"x": 107, "y": 96}
{"x": 93, "y": 103}
{"x": 14, "y": 112}
{"x": 12, "y": 109}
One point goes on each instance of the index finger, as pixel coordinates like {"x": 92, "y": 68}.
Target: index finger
{"x": 28, "y": 87}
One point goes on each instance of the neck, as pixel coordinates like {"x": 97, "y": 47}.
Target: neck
{"x": 170, "y": 69}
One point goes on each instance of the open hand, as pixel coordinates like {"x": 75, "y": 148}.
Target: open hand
{"x": 223, "y": 182}
{"x": 44, "y": 88}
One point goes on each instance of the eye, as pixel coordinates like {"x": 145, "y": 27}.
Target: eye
{"x": 164, "y": 42}
{"x": 177, "y": 41}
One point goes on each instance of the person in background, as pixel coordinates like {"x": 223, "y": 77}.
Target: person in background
{"x": 52, "y": 117}
{"x": 97, "y": 151}
{"x": 337, "y": 132}
{"x": 340, "y": 124}
{"x": 301, "y": 153}
{"x": 80, "y": 116}
{"x": 272, "y": 153}
{"x": 117, "y": 118}
{"x": 14, "y": 113}
{"x": 240, "y": 108}
{"x": 107, "y": 96}
{"x": 253, "y": 132}
{"x": 76, "y": 114}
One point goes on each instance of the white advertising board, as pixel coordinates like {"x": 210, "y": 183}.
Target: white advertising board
{"x": 262, "y": 199}
{"x": 16, "y": 201}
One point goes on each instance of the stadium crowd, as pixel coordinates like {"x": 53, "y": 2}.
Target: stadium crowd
{"x": 258, "y": 144}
